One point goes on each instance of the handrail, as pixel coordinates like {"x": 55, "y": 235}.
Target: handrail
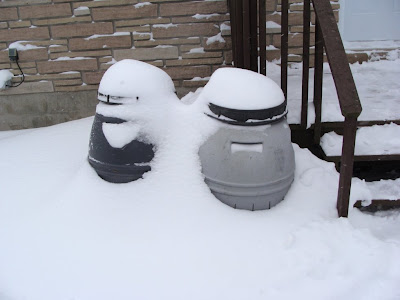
{"x": 328, "y": 37}
{"x": 244, "y": 39}
{"x": 346, "y": 89}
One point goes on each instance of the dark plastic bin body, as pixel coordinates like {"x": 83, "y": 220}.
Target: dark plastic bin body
{"x": 117, "y": 165}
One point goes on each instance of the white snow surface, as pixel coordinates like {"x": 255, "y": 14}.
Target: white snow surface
{"x": 197, "y": 50}
{"x": 22, "y": 47}
{"x": 139, "y": 5}
{"x": 241, "y": 89}
{"x": 371, "y": 45}
{"x": 5, "y": 75}
{"x": 216, "y": 38}
{"x": 225, "y": 26}
{"x": 119, "y": 135}
{"x": 204, "y": 16}
{"x": 374, "y": 140}
{"x": 377, "y": 85}
{"x": 67, "y": 234}
{"x": 70, "y": 58}
{"x": 82, "y": 8}
{"x": 95, "y": 36}
{"x": 385, "y": 189}
{"x": 272, "y": 24}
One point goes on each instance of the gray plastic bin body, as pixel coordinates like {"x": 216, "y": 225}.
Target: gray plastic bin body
{"x": 249, "y": 167}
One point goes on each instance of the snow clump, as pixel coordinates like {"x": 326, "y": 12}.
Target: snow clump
{"x": 228, "y": 87}
{"x": 137, "y": 80}
{"x": 5, "y": 75}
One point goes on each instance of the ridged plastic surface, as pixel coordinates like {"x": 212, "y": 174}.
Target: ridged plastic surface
{"x": 249, "y": 167}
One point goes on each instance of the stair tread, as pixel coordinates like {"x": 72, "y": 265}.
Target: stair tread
{"x": 384, "y": 193}
{"x": 384, "y": 189}
{"x": 371, "y": 142}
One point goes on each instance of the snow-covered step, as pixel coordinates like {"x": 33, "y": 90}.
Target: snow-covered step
{"x": 377, "y": 140}
{"x": 384, "y": 193}
{"x": 384, "y": 189}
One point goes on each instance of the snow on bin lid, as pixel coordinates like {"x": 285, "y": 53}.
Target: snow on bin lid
{"x": 242, "y": 90}
{"x": 130, "y": 78}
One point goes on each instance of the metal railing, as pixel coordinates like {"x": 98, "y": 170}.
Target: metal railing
{"x": 249, "y": 43}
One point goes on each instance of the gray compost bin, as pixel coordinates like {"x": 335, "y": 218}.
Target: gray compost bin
{"x": 249, "y": 162}
{"x": 126, "y": 87}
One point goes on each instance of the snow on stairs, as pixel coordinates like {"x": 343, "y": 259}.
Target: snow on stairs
{"x": 385, "y": 195}
{"x": 377, "y": 155}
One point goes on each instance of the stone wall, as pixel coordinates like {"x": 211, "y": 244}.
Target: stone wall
{"x": 65, "y": 46}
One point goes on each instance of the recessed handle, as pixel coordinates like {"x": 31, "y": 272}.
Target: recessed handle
{"x": 247, "y": 147}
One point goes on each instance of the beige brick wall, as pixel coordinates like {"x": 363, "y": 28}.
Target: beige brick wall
{"x": 71, "y": 43}
{"x": 88, "y": 36}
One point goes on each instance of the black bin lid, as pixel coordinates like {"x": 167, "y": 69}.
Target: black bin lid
{"x": 242, "y": 115}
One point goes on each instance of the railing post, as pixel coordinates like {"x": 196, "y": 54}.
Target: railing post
{"x": 346, "y": 165}
{"x": 284, "y": 45}
{"x": 306, "y": 63}
{"x": 236, "y": 11}
{"x": 246, "y": 33}
{"x": 243, "y": 15}
{"x": 262, "y": 36}
{"x": 318, "y": 77}
{"x": 253, "y": 36}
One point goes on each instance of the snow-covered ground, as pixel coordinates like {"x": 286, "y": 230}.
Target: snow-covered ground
{"x": 67, "y": 234}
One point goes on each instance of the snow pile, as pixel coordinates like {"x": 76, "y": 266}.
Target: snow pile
{"x": 67, "y": 234}
{"x": 134, "y": 79}
{"x": 374, "y": 140}
{"x": 228, "y": 87}
{"x": 148, "y": 97}
{"x": 5, "y": 76}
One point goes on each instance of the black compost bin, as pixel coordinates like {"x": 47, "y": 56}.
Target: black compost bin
{"x": 126, "y": 88}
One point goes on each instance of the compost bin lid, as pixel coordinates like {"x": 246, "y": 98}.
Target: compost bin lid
{"x": 243, "y": 97}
